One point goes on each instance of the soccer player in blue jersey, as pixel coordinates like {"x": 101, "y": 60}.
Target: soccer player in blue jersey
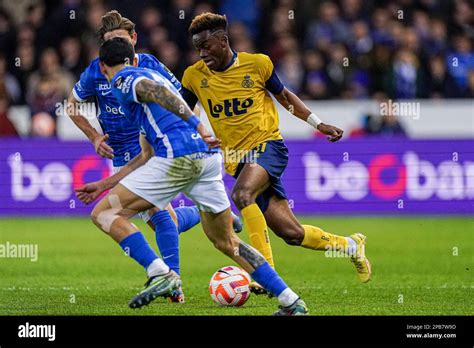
{"x": 121, "y": 139}
{"x": 185, "y": 161}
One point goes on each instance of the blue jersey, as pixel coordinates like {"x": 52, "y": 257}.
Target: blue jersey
{"x": 169, "y": 135}
{"x": 123, "y": 134}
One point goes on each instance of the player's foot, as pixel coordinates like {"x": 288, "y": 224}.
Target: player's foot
{"x": 297, "y": 308}
{"x": 257, "y": 289}
{"x": 156, "y": 286}
{"x": 176, "y": 295}
{"x": 360, "y": 261}
{"x": 236, "y": 223}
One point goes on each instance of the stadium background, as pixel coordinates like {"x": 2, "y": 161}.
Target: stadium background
{"x": 406, "y": 179}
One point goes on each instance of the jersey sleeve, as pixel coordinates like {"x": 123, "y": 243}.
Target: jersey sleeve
{"x": 124, "y": 87}
{"x": 268, "y": 74}
{"x": 84, "y": 88}
{"x": 154, "y": 64}
{"x": 187, "y": 91}
{"x": 189, "y": 97}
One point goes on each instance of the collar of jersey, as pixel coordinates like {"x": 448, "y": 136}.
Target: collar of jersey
{"x": 232, "y": 61}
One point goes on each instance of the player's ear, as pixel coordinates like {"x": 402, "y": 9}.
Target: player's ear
{"x": 134, "y": 39}
{"x": 224, "y": 40}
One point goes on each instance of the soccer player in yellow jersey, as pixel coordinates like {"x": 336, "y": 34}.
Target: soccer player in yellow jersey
{"x": 234, "y": 89}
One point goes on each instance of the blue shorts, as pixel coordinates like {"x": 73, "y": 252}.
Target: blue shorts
{"x": 273, "y": 157}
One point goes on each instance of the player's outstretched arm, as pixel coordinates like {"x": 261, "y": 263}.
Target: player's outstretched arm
{"x": 89, "y": 192}
{"x": 295, "y": 106}
{"x": 97, "y": 139}
{"x": 148, "y": 91}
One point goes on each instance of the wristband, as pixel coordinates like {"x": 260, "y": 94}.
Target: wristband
{"x": 194, "y": 121}
{"x": 314, "y": 120}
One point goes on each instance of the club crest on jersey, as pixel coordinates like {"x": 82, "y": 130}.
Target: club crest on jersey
{"x": 247, "y": 82}
{"x": 118, "y": 82}
{"x": 204, "y": 83}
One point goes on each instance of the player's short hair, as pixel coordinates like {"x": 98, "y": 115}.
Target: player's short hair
{"x": 208, "y": 21}
{"x": 116, "y": 51}
{"x": 113, "y": 20}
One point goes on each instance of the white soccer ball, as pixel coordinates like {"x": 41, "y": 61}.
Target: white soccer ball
{"x": 229, "y": 286}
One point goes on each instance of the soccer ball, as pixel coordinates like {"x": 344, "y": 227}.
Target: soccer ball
{"x": 229, "y": 286}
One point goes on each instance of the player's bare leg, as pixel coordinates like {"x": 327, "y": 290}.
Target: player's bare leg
{"x": 282, "y": 221}
{"x": 111, "y": 215}
{"x": 218, "y": 229}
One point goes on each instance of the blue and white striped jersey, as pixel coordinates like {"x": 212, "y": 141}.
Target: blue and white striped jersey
{"x": 123, "y": 135}
{"x": 169, "y": 135}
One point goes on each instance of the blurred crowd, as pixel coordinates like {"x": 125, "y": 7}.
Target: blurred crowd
{"x": 340, "y": 49}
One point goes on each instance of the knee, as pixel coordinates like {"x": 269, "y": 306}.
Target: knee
{"x": 95, "y": 215}
{"x": 293, "y": 235}
{"x": 103, "y": 218}
{"x": 242, "y": 197}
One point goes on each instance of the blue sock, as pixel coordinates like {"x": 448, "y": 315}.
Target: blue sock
{"x": 269, "y": 279}
{"x": 167, "y": 238}
{"x": 188, "y": 217}
{"x": 136, "y": 246}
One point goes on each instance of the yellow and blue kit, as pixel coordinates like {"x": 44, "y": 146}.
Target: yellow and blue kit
{"x": 242, "y": 114}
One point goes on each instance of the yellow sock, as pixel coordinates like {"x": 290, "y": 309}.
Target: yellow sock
{"x": 256, "y": 227}
{"x": 316, "y": 239}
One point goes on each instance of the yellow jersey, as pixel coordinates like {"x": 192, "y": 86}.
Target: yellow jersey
{"x": 237, "y": 103}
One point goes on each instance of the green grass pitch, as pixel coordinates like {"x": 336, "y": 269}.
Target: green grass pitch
{"x": 422, "y": 266}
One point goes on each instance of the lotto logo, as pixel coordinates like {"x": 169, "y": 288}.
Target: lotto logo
{"x": 230, "y": 107}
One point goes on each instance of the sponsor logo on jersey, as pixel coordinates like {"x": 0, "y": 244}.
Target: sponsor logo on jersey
{"x": 104, "y": 88}
{"x": 230, "y": 107}
{"x": 114, "y": 110}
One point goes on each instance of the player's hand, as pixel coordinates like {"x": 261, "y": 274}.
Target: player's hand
{"x": 334, "y": 133}
{"x": 208, "y": 138}
{"x": 101, "y": 147}
{"x": 89, "y": 192}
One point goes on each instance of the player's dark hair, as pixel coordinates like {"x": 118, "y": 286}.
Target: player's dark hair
{"x": 116, "y": 51}
{"x": 208, "y": 21}
{"x": 113, "y": 20}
